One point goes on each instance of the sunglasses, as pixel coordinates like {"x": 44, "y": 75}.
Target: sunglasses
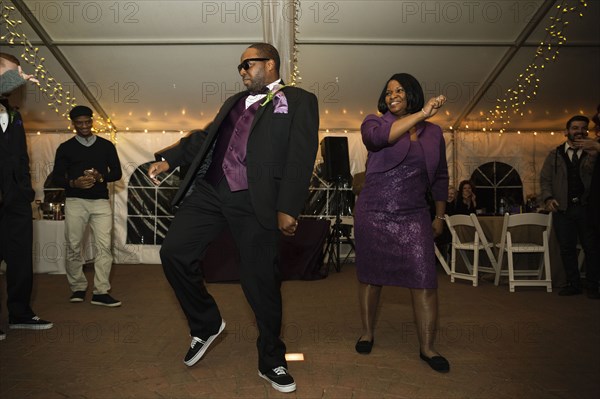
{"x": 245, "y": 65}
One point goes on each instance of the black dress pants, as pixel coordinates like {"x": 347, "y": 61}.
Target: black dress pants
{"x": 570, "y": 225}
{"x": 202, "y": 216}
{"x": 16, "y": 238}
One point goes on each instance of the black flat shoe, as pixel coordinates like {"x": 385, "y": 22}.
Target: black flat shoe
{"x": 438, "y": 363}
{"x": 364, "y": 347}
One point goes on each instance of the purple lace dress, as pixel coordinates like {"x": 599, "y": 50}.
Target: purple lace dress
{"x": 392, "y": 226}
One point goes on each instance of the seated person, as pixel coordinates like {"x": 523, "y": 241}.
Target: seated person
{"x": 451, "y": 202}
{"x": 466, "y": 202}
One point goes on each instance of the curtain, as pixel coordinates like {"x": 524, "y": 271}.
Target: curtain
{"x": 279, "y": 30}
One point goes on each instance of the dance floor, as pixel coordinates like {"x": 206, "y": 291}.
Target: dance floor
{"x": 528, "y": 344}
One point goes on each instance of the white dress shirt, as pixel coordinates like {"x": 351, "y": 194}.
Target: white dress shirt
{"x": 3, "y": 118}
{"x": 570, "y": 153}
{"x": 251, "y": 99}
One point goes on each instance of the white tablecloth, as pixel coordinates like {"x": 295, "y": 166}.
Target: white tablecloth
{"x": 49, "y": 246}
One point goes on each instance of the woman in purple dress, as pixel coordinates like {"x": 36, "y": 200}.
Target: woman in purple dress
{"x": 393, "y": 228}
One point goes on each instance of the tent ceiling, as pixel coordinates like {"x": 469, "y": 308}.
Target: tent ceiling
{"x": 168, "y": 65}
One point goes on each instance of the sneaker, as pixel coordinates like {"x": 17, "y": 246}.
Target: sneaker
{"x": 105, "y": 300}
{"x": 77, "y": 296}
{"x": 2, "y": 335}
{"x": 35, "y": 323}
{"x": 199, "y": 346}
{"x": 280, "y": 379}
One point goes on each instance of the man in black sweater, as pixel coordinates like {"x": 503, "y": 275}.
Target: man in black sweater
{"x": 84, "y": 165}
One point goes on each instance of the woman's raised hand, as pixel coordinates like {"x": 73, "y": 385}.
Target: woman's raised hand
{"x": 433, "y": 105}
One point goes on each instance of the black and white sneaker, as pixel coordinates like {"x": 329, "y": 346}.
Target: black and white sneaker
{"x": 280, "y": 379}
{"x": 77, "y": 296}
{"x": 2, "y": 335}
{"x": 199, "y": 346}
{"x": 105, "y": 300}
{"x": 34, "y": 323}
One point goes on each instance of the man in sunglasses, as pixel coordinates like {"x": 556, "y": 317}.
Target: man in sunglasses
{"x": 249, "y": 172}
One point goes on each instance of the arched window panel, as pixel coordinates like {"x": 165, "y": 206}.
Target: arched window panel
{"x": 494, "y": 181}
{"x": 149, "y": 211}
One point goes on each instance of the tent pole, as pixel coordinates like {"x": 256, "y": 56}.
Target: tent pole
{"x": 508, "y": 56}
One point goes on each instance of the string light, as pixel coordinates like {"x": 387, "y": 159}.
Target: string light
{"x": 59, "y": 99}
{"x": 528, "y": 82}
{"x": 295, "y": 77}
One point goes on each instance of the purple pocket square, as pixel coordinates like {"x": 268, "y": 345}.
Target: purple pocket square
{"x": 280, "y": 103}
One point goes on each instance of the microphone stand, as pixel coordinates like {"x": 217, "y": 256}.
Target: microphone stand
{"x": 339, "y": 232}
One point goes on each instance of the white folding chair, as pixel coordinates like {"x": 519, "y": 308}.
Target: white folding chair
{"x": 462, "y": 242}
{"x": 441, "y": 259}
{"x": 510, "y": 245}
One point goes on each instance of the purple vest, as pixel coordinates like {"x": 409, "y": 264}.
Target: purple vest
{"x": 229, "y": 156}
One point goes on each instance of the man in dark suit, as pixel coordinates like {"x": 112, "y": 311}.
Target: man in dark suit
{"x": 16, "y": 229}
{"x": 250, "y": 171}
{"x": 565, "y": 181}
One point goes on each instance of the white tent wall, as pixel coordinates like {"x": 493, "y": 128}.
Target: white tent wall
{"x": 134, "y": 149}
{"x": 356, "y": 150}
{"x": 42, "y": 149}
{"x": 525, "y": 152}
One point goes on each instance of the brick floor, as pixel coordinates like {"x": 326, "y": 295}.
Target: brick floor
{"x": 528, "y": 344}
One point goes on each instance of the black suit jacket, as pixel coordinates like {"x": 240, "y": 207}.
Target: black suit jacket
{"x": 15, "y": 180}
{"x": 280, "y": 154}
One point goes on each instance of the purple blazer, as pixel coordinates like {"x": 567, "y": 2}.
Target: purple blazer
{"x": 384, "y": 156}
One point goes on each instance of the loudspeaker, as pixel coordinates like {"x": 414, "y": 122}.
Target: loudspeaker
{"x": 336, "y": 161}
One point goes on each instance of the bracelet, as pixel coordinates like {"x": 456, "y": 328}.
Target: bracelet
{"x": 440, "y": 217}
{"x": 424, "y": 113}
